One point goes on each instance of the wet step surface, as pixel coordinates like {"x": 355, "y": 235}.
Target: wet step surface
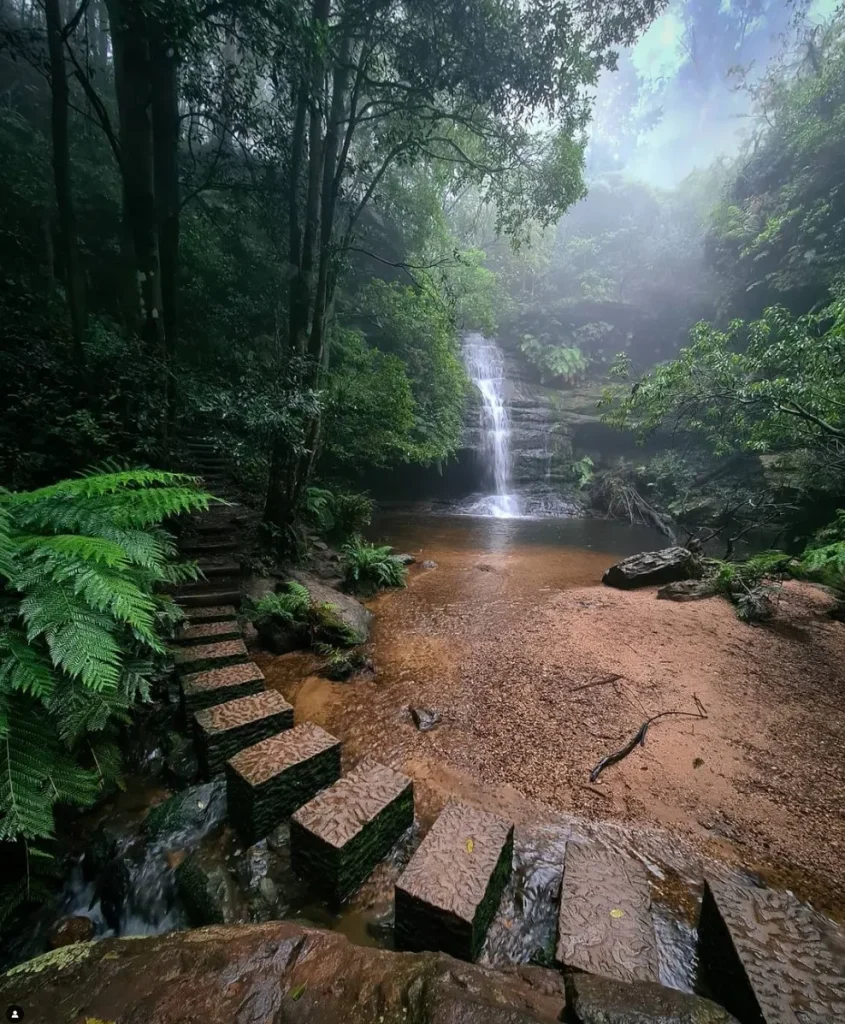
{"x": 224, "y": 729}
{"x": 209, "y": 594}
{"x": 339, "y": 837}
{"x": 210, "y": 613}
{"x": 267, "y": 782}
{"x": 451, "y": 890}
{"x": 214, "y": 567}
{"x": 605, "y": 925}
{"x": 769, "y": 958}
{"x": 204, "y": 689}
{"x": 210, "y": 656}
{"x": 209, "y": 632}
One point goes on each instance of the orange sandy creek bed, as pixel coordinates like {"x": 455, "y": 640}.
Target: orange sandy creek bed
{"x": 498, "y": 637}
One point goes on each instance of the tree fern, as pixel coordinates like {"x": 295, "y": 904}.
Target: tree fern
{"x": 81, "y": 630}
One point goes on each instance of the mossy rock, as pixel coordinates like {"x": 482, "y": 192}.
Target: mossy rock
{"x": 197, "y": 810}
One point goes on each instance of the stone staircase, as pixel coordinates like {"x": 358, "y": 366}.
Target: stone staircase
{"x": 765, "y": 956}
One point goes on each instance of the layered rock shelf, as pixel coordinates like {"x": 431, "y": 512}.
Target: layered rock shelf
{"x": 449, "y": 893}
{"x": 204, "y": 689}
{"x": 267, "y": 782}
{"x": 769, "y": 958}
{"x": 223, "y": 730}
{"x": 339, "y": 837}
{"x": 604, "y": 924}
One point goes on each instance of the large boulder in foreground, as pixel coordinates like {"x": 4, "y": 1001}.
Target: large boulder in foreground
{"x": 652, "y": 567}
{"x": 276, "y": 973}
{"x": 595, "y": 1000}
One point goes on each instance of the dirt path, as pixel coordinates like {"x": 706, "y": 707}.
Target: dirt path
{"x": 498, "y": 643}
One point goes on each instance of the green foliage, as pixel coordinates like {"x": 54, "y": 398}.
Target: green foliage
{"x": 339, "y": 663}
{"x": 582, "y": 471}
{"x": 369, "y": 567}
{"x": 338, "y": 515}
{"x": 563, "y": 362}
{"x": 824, "y": 557}
{"x": 291, "y": 605}
{"x": 81, "y": 630}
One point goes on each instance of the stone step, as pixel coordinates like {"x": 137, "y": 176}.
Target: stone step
{"x": 197, "y": 547}
{"x": 269, "y": 781}
{"x": 215, "y": 567}
{"x": 227, "y": 582}
{"x": 211, "y": 613}
{"x": 208, "y": 632}
{"x": 209, "y": 656}
{"x": 770, "y": 959}
{"x": 449, "y": 893}
{"x": 204, "y": 689}
{"x": 212, "y": 597}
{"x": 338, "y": 838}
{"x": 221, "y": 731}
{"x": 605, "y": 925}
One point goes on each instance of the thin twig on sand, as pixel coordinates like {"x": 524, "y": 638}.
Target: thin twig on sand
{"x": 639, "y": 738}
{"x": 596, "y": 682}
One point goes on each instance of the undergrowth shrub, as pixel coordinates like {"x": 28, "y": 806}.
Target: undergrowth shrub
{"x": 81, "y": 636}
{"x": 369, "y": 567}
{"x": 317, "y": 621}
{"x": 337, "y": 515}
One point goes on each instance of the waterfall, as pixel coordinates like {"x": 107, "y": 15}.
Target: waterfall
{"x": 485, "y": 367}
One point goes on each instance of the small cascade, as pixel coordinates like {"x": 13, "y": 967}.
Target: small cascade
{"x": 485, "y": 367}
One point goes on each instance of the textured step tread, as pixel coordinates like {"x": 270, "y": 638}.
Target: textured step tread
{"x": 223, "y": 629}
{"x": 452, "y": 867}
{"x": 605, "y": 925}
{"x": 269, "y": 758}
{"x": 225, "y": 650}
{"x": 218, "y": 566}
{"x": 201, "y": 548}
{"x": 209, "y": 598}
{"x": 211, "y": 613}
{"x": 242, "y": 711}
{"x": 221, "y": 678}
{"x": 339, "y": 813}
{"x": 768, "y": 957}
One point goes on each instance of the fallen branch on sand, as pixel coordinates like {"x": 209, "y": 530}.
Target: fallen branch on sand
{"x": 597, "y": 682}
{"x": 639, "y": 738}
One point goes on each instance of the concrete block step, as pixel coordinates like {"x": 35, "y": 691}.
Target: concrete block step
{"x": 216, "y": 567}
{"x": 197, "y": 547}
{"x": 768, "y": 958}
{"x": 267, "y": 782}
{"x": 208, "y": 632}
{"x": 605, "y": 925}
{"x": 338, "y": 838}
{"x": 210, "y": 598}
{"x": 209, "y": 613}
{"x": 224, "y": 729}
{"x": 229, "y": 582}
{"x": 209, "y": 656}
{"x": 204, "y": 689}
{"x": 450, "y": 891}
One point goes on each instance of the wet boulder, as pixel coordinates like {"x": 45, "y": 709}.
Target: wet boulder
{"x": 208, "y": 893}
{"x": 652, "y": 567}
{"x": 181, "y": 767}
{"x": 425, "y": 719}
{"x": 595, "y": 1000}
{"x": 188, "y": 815}
{"x": 282, "y": 637}
{"x": 68, "y": 930}
{"x": 273, "y": 972}
{"x": 686, "y": 590}
{"x": 404, "y": 559}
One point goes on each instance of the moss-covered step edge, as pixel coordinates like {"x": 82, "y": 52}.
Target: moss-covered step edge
{"x": 337, "y": 872}
{"x": 255, "y": 811}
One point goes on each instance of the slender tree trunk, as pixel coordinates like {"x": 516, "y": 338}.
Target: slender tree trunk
{"x": 166, "y": 124}
{"x": 74, "y": 280}
{"x": 131, "y": 52}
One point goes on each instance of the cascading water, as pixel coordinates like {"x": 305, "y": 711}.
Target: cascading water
{"x": 485, "y": 367}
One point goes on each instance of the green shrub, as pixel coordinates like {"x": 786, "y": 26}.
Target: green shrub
{"x": 824, "y": 557}
{"x": 337, "y": 515}
{"x": 293, "y": 607}
{"x": 81, "y": 632}
{"x": 368, "y": 567}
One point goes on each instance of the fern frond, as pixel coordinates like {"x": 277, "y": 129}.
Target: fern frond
{"x": 24, "y": 668}
{"x": 27, "y": 752}
{"x": 70, "y": 784}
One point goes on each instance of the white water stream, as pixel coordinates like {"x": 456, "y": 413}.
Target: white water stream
{"x": 485, "y": 367}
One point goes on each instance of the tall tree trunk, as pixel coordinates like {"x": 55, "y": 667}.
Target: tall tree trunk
{"x": 166, "y": 124}
{"x": 74, "y": 280}
{"x": 132, "y": 71}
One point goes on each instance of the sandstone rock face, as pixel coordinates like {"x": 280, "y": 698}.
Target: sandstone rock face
{"x": 595, "y": 1000}
{"x": 651, "y": 567}
{"x": 276, "y": 973}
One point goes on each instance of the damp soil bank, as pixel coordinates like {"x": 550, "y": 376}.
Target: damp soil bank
{"x": 501, "y": 638}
